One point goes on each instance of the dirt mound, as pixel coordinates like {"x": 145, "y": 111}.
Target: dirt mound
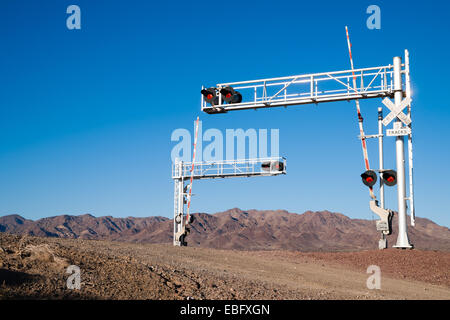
{"x": 42, "y": 254}
{"x": 31, "y": 268}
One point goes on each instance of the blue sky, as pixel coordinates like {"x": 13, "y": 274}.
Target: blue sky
{"x": 86, "y": 115}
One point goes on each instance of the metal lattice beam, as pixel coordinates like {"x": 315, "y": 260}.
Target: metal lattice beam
{"x": 227, "y": 168}
{"x": 375, "y": 82}
{"x": 181, "y": 172}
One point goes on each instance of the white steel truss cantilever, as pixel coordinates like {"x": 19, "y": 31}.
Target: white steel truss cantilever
{"x": 227, "y": 168}
{"x": 375, "y": 82}
{"x": 308, "y": 88}
{"x": 184, "y": 171}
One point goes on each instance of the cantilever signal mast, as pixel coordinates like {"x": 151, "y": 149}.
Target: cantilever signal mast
{"x": 243, "y": 168}
{"x": 375, "y": 82}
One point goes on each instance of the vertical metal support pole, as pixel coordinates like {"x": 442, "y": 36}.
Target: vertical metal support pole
{"x": 178, "y": 201}
{"x": 410, "y": 147}
{"x": 411, "y": 186}
{"x": 402, "y": 239}
{"x": 380, "y": 152}
{"x": 202, "y": 99}
{"x": 175, "y": 174}
{"x": 174, "y": 210}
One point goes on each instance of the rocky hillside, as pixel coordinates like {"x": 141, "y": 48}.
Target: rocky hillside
{"x": 236, "y": 229}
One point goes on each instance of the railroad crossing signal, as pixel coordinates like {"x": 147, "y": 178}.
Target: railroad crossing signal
{"x": 389, "y": 177}
{"x": 182, "y": 171}
{"x": 335, "y": 86}
{"x": 369, "y": 178}
{"x": 396, "y": 111}
{"x": 273, "y": 166}
{"x": 210, "y": 95}
{"x": 230, "y": 95}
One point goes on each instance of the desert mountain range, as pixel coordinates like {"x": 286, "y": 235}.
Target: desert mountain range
{"x": 236, "y": 229}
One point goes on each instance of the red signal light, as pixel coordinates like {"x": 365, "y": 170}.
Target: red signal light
{"x": 272, "y": 166}
{"x": 389, "y": 177}
{"x": 211, "y": 96}
{"x": 369, "y": 178}
{"x": 230, "y": 95}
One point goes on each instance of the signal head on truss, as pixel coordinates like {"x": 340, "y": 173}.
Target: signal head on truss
{"x": 211, "y": 96}
{"x": 230, "y": 95}
{"x": 273, "y": 166}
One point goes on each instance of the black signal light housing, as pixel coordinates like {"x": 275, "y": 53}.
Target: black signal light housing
{"x": 389, "y": 177}
{"x": 229, "y": 95}
{"x": 369, "y": 178}
{"x": 210, "y": 96}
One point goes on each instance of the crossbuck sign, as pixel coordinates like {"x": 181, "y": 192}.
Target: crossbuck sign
{"x": 396, "y": 111}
